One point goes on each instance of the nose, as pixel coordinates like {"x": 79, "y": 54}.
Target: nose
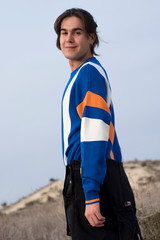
{"x": 70, "y": 37}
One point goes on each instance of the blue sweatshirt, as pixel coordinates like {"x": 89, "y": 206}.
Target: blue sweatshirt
{"x": 88, "y": 125}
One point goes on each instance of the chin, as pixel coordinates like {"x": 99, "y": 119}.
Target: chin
{"x": 72, "y": 58}
{"x": 69, "y": 56}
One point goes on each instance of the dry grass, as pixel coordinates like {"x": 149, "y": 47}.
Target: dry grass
{"x": 150, "y": 226}
{"x": 36, "y": 222}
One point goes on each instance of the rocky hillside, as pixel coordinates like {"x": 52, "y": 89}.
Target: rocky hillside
{"x": 51, "y": 192}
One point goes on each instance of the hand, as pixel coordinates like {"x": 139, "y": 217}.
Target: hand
{"x": 93, "y": 215}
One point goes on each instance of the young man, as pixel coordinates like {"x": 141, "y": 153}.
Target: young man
{"x": 99, "y": 202}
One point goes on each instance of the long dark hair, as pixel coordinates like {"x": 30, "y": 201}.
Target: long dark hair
{"x": 87, "y": 19}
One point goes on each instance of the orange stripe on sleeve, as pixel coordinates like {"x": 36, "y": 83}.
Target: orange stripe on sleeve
{"x": 92, "y": 100}
{"x": 111, "y": 133}
{"x": 94, "y": 200}
{"x": 111, "y": 155}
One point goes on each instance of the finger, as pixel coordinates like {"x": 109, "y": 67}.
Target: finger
{"x": 100, "y": 217}
{"x": 94, "y": 222}
{"x": 97, "y": 222}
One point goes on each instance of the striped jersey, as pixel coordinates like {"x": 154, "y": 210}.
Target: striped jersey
{"x": 88, "y": 125}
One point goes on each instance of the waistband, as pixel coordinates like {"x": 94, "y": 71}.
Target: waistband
{"x": 77, "y": 163}
{"x": 74, "y": 166}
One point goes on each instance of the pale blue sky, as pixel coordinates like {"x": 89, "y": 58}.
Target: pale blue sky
{"x": 33, "y": 74}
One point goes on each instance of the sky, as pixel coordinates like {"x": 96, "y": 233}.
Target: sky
{"x": 33, "y": 75}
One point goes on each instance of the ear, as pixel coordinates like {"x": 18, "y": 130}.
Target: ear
{"x": 92, "y": 37}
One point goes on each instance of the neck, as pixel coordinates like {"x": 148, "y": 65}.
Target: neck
{"x": 74, "y": 64}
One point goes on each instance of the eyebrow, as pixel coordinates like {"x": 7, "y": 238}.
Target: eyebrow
{"x": 74, "y": 29}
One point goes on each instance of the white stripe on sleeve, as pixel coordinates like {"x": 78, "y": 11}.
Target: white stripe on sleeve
{"x": 94, "y": 130}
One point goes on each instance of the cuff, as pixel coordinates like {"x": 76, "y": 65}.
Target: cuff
{"x": 88, "y": 202}
{"x": 91, "y": 197}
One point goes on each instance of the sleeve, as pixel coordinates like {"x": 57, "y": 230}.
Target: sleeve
{"x": 95, "y": 118}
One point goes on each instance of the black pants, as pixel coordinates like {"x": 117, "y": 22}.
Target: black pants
{"x": 117, "y": 204}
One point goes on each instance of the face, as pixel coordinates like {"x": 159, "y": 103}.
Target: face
{"x": 75, "y": 42}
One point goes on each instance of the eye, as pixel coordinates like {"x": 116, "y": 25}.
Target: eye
{"x": 63, "y": 33}
{"x": 77, "y": 32}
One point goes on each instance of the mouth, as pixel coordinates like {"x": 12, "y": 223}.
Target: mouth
{"x": 70, "y": 47}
